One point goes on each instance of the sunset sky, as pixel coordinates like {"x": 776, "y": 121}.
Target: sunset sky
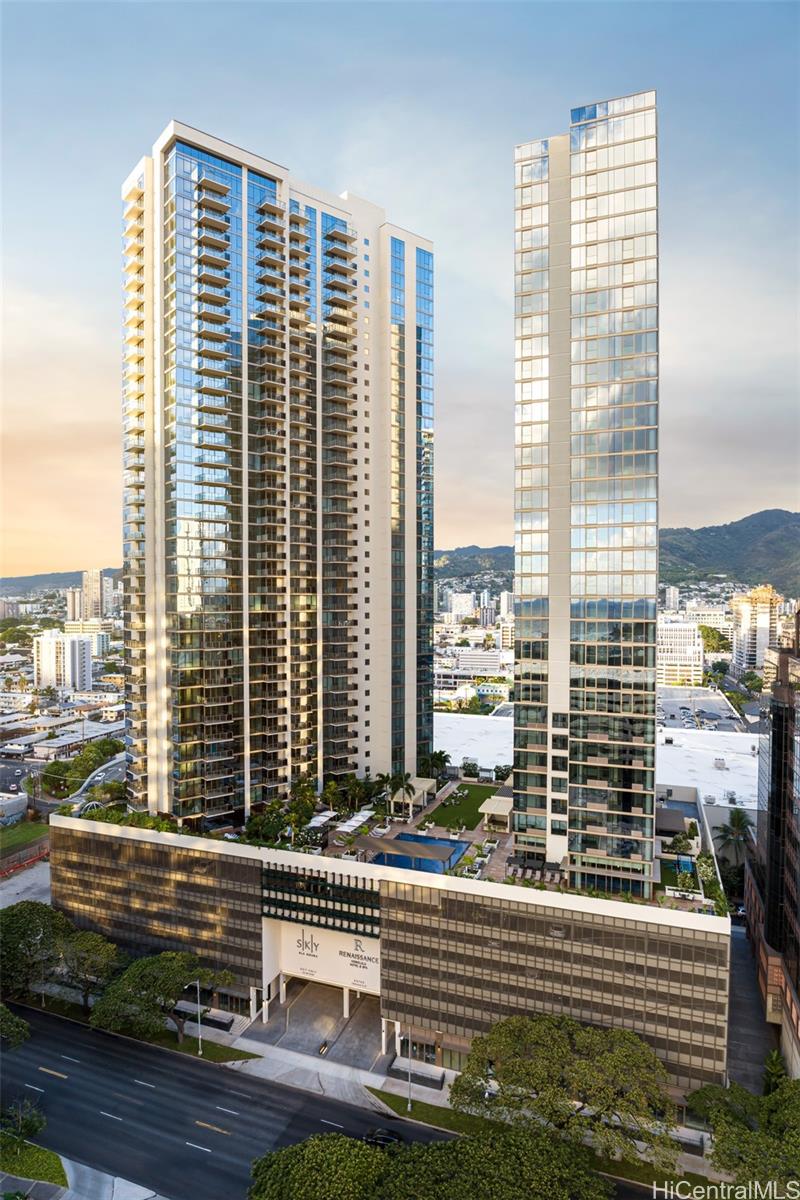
{"x": 416, "y": 106}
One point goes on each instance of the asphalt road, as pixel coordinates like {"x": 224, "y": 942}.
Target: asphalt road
{"x": 185, "y": 1128}
{"x": 112, "y": 771}
{"x": 10, "y": 766}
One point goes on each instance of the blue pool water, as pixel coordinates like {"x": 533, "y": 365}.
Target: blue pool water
{"x": 423, "y": 864}
{"x": 685, "y": 863}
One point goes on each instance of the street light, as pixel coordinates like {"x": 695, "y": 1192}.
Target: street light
{"x": 199, "y": 1019}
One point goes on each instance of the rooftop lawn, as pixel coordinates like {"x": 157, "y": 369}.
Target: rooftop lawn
{"x": 15, "y": 837}
{"x": 465, "y": 811}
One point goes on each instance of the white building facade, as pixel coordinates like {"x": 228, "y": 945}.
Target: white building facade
{"x": 62, "y": 661}
{"x": 679, "y": 653}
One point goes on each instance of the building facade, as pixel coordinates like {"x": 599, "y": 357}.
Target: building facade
{"x": 755, "y": 627}
{"x": 92, "y": 594}
{"x": 447, "y": 957}
{"x": 586, "y": 493}
{"x": 74, "y": 602}
{"x": 672, "y": 599}
{"x": 715, "y": 616}
{"x": 679, "y": 653}
{"x": 278, "y": 499}
{"x": 772, "y": 876}
{"x": 62, "y": 661}
{"x": 99, "y": 631}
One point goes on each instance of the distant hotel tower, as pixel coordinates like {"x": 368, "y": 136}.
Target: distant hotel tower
{"x": 278, "y": 500}
{"x": 587, "y": 495}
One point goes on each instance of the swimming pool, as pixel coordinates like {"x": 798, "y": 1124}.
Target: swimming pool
{"x": 432, "y": 865}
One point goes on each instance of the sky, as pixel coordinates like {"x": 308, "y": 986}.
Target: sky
{"x": 416, "y": 106}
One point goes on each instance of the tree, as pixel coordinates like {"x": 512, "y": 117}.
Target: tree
{"x": 401, "y": 784}
{"x": 321, "y": 1167}
{"x": 266, "y": 826}
{"x": 19, "y": 1122}
{"x": 89, "y": 961}
{"x": 579, "y": 1080}
{"x": 732, "y": 838}
{"x": 500, "y": 1164}
{"x": 150, "y": 990}
{"x": 714, "y": 640}
{"x": 30, "y": 938}
{"x": 774, "y": 1072}
{"x": 755, "y": 1137}
{"x": 54, "y": 778}
{"x": 13, "y": 1029}
{"x": 753, "y": 682}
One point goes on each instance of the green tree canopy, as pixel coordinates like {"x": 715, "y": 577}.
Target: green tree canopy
{"x": 30, "y": 939}
{"x": 501, "y": 1164}
{"x": 732, "y": 837}
{"x": 20, "y": 1121}
{"x": 13, "y": 1029}
{"x": 325, "y": 1166}
{"x": 755, "y": 1137}
{"x": 579, "y": 1080}
{"x": 89, "y": 961}
{"x": 714, "y": 640}
{"x": 150, "y": 990}
{"x": 752, "y": 681}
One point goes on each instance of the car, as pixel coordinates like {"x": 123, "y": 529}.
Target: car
{"x": 100, "y": 775}
{"x": 18, "y": 773}
{"x": 382, "y": 1137}
{"x": 13, "y": 787}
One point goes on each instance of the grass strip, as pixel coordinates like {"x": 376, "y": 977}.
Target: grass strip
{"x": 447, "y": 1118}
{"x": 32, "y": 1162}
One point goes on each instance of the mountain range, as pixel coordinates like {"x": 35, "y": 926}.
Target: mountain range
{"x": 761, "y": 548}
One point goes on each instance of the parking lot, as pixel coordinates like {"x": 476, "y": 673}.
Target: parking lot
{"x": 695, "y": 708}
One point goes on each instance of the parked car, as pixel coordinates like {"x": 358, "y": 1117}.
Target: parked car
{"x": 18, "y": 773}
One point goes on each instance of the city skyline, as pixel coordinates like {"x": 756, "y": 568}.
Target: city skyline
{"x": 726, "y": 321}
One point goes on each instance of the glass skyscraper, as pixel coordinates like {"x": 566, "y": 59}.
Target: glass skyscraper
{"x": 586, "y": 496}
{"x": 278, "y": 482}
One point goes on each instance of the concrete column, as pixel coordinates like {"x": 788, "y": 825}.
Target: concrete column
{"x": 282, "y": 987}
{"x": 383, "y": 1035}
{"x": 253, "y": 1004}
{"x": 345, "y": 1003}
{"x": 397, "y": 1037}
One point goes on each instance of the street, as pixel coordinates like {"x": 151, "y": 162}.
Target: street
{"x": 184, "y": 1128}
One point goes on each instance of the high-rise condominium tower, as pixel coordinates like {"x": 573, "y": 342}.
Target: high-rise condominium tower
{"x": 92, "y": 594}
{"x": 587, "y": 495}
{"x": 278, "y": 481}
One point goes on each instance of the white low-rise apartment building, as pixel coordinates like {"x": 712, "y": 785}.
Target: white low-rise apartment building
{"x": 679, "y": 652}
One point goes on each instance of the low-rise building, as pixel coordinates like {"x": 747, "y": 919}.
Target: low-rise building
{"x": 679, "y": 652}
{"x": 445, "y": 956}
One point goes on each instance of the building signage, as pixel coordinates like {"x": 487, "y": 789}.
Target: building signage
{"x": 329, "y": 956}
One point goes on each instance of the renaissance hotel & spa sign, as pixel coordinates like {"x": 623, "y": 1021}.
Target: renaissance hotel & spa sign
{"x": 330, "y": 956}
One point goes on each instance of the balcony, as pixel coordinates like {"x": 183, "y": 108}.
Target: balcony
{"x": 208, "y": 220}
{"x": 210, "y": 236}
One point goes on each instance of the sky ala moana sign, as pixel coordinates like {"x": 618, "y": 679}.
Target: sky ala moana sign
{"x": 330, "y": 956}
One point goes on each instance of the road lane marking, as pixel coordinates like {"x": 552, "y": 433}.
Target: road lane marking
{"x": 334, "y": 1123}
{"x": 246, "y": 1095}
{"x": 195, "y": 1146}
{"x": 232, "y": 1111}
{"x": 33, "y": 1087}
{"x": 215, "y": 1128}
{"x": 143, "y": 1084}
{"x": 111, "y": 1115}
{"x": 58, "y": 1074}
{"x": 70, "y": 1059}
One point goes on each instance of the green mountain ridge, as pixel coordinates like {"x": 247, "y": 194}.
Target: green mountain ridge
{"x": 761, "y": 548}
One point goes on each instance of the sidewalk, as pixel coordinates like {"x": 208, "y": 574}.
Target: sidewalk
{"x": 85, "y": 1183}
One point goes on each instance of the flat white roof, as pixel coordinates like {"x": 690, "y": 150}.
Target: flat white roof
{"x": 692, "y": 761}
{"x": 487, "y": 740}
{"x": 499, "y": 806}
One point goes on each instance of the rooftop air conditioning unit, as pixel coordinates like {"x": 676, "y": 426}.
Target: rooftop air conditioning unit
{"x": 719, "y": 763}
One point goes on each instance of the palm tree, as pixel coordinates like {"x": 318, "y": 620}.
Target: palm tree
{"x": 402, "y": 782}
{"x": 734, "y": 836}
